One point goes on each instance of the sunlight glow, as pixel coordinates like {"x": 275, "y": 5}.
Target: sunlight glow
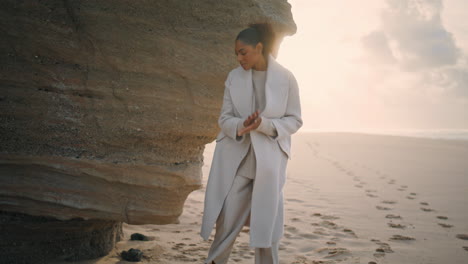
{"x": 359, "y": 66}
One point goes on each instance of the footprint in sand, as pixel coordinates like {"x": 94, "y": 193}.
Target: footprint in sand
{"x": 309, "y": 236}
{"x": 465, "y": 248}
{"x": 462, "y": 236}
{"x": 427, "y": 209}
{"x": 295, "y": 219}
{"x": 372, "y": 195}
{"x": 382, "y": 249}
{"x": 303, "y": 260}
{"x": 394, "y": 225}
{"x": 349, "y": 231}
{"x": 401, "y": 238}
{"x": 294, "y": 200}
{"x": 388, "y": 202}
{"x": 330, "y": 217}
{"x": 392, "y": 216}
{"x": 383, "y": 207}
{"x": 333, "y": 252}
{"x": 328, "y": 224}
{"x": 442, "y": 217}
{"x": 410, "y": 197}
{"x": 392, "y": 181}
{"x": 321, "y": 231}
{"x": 358, "y": 185}
{"x": 424, "y": 203}
{"x": 445, "y": 225}
{"x": 291, "y": 229}
{"x": 371, "y": 190}
{"x": 402, "y": 188}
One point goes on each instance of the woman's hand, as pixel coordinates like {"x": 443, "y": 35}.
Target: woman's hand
{"x": 251, "y": 123}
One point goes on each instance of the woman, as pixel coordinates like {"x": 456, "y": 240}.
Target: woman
{"x": 260, "y": 112}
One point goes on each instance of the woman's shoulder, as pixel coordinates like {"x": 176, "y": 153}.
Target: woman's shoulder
{"x": 236, "y": 71}
{"x": 280, "y": 68}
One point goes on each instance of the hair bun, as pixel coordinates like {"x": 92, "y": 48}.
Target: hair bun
{"x": 266, "y": 35}
{"x": 259, "y": 32}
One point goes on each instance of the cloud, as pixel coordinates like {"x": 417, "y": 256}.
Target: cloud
{"x": 377, "y": 46}
{"x": 412, "y": 34}
{"x": 412, "y": 38}
{"x": 451, "y": 81}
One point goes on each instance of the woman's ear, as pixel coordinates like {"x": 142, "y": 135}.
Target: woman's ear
{"x": 259, "y": 48}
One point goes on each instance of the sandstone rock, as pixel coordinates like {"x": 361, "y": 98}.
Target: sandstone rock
{"x": 36, "y": 239}
{"x": 106, "y": 106}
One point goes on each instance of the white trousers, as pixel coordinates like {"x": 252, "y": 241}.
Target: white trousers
{"x": 233, "y": 216}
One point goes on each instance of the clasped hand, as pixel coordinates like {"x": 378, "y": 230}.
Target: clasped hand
{"x": 251, "y": 123}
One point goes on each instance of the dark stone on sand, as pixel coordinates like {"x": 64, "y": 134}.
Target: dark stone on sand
{"x": 132, "y": 255}
{"x": 462, "y": 236}
{"x": 138, "y": 236}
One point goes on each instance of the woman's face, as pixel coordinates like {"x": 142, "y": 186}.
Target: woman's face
{"x": 248, "y": 55}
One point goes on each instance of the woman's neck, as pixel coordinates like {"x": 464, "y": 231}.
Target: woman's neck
{"x": 261, "y": 65}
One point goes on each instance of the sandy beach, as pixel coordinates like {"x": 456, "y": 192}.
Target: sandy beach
{"x": 349, "y": 198}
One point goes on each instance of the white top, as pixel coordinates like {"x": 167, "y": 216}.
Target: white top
{"x": 248, "y": 165}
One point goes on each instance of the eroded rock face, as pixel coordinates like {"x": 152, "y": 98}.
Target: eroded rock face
{"x": 38, "y": 239}
{"x": 105, "y": 106}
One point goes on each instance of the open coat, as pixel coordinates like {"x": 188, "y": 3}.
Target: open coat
{"x": 284, "y": 111}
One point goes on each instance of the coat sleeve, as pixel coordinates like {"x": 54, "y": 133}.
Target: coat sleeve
{"x": 228, "y": 122}
{"x": 267, "y": 127}
{"x": 292, "y": 120}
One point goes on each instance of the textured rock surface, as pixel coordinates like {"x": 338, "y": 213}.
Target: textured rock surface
{"x": 105, "y": 106}
{"x": 37, "y": 239}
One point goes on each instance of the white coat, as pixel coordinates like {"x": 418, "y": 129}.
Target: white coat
{"x": 284, "y": 110}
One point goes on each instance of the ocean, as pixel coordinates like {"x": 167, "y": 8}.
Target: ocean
{"x": 451, "y": 134}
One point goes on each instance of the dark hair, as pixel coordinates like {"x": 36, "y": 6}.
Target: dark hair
{"x": 258, "y": 32}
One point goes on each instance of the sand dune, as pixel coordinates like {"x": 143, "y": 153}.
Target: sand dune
{"x": 349, "y": 198}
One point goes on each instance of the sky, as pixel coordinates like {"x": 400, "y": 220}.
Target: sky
{"x": 380, "y": 64}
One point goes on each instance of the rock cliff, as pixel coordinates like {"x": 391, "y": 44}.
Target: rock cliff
{"x": 105, "y": 106}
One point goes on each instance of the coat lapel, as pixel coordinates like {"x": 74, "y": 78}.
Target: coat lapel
{"x": 242, "y": 92}
{"x": 276, "y": 86}
{"x": 275, "y": 90}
